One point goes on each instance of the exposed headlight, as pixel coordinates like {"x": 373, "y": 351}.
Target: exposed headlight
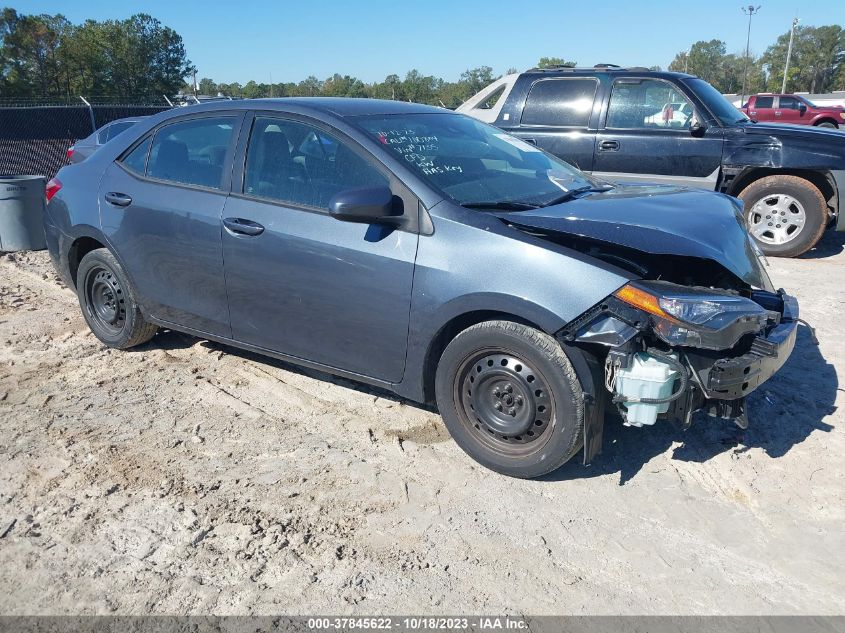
{"x": 691, "y": 317}
{"x": 702, "y": 309}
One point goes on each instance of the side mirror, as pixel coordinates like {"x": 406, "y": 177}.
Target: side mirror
{"x": 802, "y": 108}
{"x": 697, "y": 129}
{"x": 367, "y": 206}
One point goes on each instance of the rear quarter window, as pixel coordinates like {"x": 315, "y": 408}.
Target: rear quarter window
{"x": 560, "y": 102}
{"x": 136, "y": 159}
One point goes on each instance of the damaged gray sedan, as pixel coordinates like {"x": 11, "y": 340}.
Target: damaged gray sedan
{"x": 430, "y": 254}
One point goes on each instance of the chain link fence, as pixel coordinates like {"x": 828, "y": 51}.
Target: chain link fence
{"x": 35, "y": 139}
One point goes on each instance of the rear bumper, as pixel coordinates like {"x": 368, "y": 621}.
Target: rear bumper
{"x": 58, "y": 249}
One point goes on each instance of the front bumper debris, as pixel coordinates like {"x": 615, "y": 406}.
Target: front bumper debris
{"x": 719, "y": 379}
{"x": 732, "y": 377}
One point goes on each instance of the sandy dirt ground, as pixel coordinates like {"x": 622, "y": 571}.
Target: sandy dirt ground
{"x": 187, "y": 477}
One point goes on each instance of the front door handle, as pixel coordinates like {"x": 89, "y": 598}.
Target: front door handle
{"x": 239, "y": 226}
{"x": 118, "y": 199}
{"x": 609, "y": 146}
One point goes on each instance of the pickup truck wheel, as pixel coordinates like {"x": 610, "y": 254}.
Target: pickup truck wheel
{"x": 108, "y": 304}
{"x": 827, "y": 124}
{"x": 786, "y": 215}
{"x": 510, "y": 398}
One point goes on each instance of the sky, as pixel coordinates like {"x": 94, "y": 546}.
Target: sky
{"x": 370, "y": 39}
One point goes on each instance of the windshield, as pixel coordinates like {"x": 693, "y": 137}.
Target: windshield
{"x": 473, "y": 163}
{"x": 721, "y": 108}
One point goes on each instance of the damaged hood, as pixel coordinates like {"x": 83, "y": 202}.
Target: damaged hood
{"x": 659, "y": 220}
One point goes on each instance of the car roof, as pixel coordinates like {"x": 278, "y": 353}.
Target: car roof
{"x": 337, "y": 106}
{"x": 602, "y": 69}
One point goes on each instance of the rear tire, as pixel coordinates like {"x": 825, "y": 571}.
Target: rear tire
{"x": 510, "y": 398}
{"x": 108, "y": 302}
{"x": 786, "y": 215}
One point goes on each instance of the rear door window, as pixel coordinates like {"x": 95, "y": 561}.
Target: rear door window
{"x": 764, "y": 102}
{"x": 303, "y": 165}
{"x": 560, "y": 102}
{"x": 192, "y": 152}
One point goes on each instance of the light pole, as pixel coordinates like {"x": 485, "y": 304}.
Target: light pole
{"x": 686, "y": 59}
{"x": 788, "y": 54}
{"x": 750, "y": 10}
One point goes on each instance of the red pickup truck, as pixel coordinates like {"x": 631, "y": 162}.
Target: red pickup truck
{"x": 795, "y": 109}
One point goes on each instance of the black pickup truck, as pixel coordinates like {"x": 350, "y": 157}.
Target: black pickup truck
{"x": 636, "y": 125}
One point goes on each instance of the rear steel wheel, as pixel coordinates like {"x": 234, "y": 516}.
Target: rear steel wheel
{"x": 108, "y": 302}
{"x": 105, "y": 300}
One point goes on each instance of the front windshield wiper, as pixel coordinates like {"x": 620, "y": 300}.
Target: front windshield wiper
{"x": 504, "y": 205}
{"x": 568, "y": 195}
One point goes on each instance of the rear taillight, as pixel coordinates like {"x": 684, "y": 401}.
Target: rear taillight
{"x": 70, "y": 152}
{"x": 53, "y": 188}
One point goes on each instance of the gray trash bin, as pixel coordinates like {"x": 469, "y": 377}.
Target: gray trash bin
{"x": 21, "y": 206}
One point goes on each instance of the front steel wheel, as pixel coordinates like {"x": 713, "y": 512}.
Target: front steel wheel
{"x": 510, "y": 398}
{"x": 504, "y": 402}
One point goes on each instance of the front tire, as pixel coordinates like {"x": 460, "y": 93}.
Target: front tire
{"x": 108, "y": 303}
{"x": 786, "y": 215}
{"x": 510, "y": 398}
{"x": 829, "y": 124}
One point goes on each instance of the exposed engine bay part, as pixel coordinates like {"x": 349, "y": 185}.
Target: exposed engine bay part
{"x": 671, "y": 350}
{"x": 645, "y": 386}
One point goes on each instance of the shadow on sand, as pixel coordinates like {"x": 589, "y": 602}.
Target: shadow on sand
{"x": 783, "y": 412}
{"x": 832, "y": 243}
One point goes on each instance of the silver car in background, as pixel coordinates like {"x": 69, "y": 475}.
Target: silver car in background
{"x": 83, "y": 148}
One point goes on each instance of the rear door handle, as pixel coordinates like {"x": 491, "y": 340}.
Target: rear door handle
{"x": 239, "y": 226}
{"x": 609, "y": 146}
{"x": 118, "y": 199}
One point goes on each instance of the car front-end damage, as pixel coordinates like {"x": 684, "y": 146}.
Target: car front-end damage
{"x": 698, "y": 328}
{"x": 672, "y": 350}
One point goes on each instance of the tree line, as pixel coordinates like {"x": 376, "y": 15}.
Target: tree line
{"x": 817, "y": 63}
{"x": 45, "y": 57}
{"x": 414, "y": 86}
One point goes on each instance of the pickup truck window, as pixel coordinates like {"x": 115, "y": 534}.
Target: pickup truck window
{"x": 715, "y": 102}
{"x": 789, "y": 103}
{"x": 560, "y": 102}
{"x": 764, "y": 102}
{"x": 647, "y": 103}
